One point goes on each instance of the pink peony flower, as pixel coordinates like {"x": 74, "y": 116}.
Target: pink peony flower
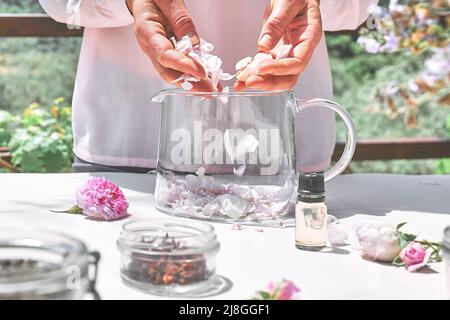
{"x": 414, "y": 256}
{"x": 102, "y": 199}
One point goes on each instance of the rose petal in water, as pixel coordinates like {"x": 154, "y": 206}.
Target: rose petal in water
{"x": 232, "y": 206}
{"x": 247, "y": 144}
{"x": 210, "y": 209}
{"x": 278, "y": 207}
{"x": 217, "y": 188}
{"x": 236, "y": 190}
{"x": 200, "y": 171}
{"x": 239, "y": 170}
{"x": 193, "y": 182}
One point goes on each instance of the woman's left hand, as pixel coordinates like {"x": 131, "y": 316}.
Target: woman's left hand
{"x": 295, "y": 22}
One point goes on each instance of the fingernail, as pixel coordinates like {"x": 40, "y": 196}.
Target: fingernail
{"x": 266, "y": 41}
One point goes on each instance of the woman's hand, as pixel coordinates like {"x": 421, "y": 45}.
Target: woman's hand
{"x": 296, "y": 22}
{"x": 156, "y": 21}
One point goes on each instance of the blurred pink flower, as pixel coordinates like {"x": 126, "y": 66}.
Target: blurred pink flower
{"x": 414, "y": 256}
{"x": 102, "y": 199}
{"x": 287, "y": 291}
{"x": 284, "y": 290}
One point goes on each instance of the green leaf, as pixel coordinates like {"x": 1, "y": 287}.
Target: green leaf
{"x": 265, "y": 295}
{"x": 408, "y": 236}
{"x": 401, "y": 225}
{"x": 398, "y": 262}
{"x": 73, "y": 210}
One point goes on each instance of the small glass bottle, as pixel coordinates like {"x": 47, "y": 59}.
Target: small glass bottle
{"x": 311, "y": 212}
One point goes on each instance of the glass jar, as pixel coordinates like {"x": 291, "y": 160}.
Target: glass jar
{"x": 230, "y": 157}
{"x": 168, "y": 257}
{"x": 41, "y": 264}
{"x": 446, "y": 252}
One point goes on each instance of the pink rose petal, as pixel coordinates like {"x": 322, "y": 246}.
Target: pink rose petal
{"x": 243, "y": 63}
{"x": 236, "y": 226}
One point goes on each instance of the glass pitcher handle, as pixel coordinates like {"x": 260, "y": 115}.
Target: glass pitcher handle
{"x": 350, "y": 145}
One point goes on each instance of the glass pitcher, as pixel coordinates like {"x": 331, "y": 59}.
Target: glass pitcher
{"x": 230, "y": 157}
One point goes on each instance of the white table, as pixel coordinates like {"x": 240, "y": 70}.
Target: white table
{"x": 248, "y": 258}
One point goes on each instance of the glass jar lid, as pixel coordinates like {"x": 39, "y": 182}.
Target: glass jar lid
{"x": 446, "y": 242}
{"x": 168, "y": 237}
{"x": 36, "y": 262}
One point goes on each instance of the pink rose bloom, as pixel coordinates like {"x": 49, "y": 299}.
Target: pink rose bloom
{"x": 102, "y": 199}
{"x": 378, "y": 241}
{"x": 288, "y": 291}
{"x": 285, "y": 290}
{"x": 414, "y": 256}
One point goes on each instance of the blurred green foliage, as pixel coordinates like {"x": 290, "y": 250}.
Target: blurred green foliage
{"x": 42, "y": 140}
{"x": 8, "y": 123}
{"x": 36, "y": 70}
{"x": 356, "y": 76}
{"x": 20, "y": 6}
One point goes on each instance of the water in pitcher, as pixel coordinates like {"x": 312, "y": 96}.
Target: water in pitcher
{"x": 219, "y": 197}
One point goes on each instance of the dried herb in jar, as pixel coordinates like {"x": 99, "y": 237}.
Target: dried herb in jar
{"x": 167, "y": 269}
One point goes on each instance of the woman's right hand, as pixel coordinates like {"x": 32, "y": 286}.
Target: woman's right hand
{"x": 156, "y": 21}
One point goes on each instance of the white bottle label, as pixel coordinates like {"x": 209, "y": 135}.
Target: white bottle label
{"x": 311, "y": 224}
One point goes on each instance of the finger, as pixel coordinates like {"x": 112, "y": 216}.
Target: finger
{"x": 276, "y": 25}
{"x": 304, "y": 51}
{"x": 266, "y": 14}
{"x": 168, "y": 75}
{"x": 282, "y": 67}
{"x": 178, "y": 16}
{"x": 307, "y": 34}
{"x": 178, "y": 61}
{"x": 159, "y": 47}
{"x": 270, "y": 82}
{"x": 202, "y": 86}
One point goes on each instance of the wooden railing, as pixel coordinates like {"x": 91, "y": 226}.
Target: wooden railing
{"x": 34, "y": 25}
{"x": 40, "y": 25}
{"x": 397, "y": 149}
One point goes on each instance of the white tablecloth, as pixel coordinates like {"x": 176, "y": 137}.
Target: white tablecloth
{"x": 248, "y": 258}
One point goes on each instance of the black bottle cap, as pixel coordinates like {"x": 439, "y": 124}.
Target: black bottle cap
{"x": 312, "y": 186}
